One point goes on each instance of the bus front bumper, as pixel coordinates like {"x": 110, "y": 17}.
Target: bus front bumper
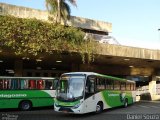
{"x": 69, "y": 109}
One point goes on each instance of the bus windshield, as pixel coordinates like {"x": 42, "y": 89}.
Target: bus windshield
{"x": 70, "y": 87}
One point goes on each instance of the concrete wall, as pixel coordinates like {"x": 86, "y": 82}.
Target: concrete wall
{"x": 115, "y": 70}
{"x": 24, "y": 12}
{"x": 126, "y": 51}
{"x": 152, "y": 89}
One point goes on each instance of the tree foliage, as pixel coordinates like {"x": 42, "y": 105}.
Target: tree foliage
{"x": 59, "y": 9}
{"x": 32, "y": 37}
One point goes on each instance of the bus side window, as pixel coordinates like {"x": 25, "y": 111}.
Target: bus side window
{"x": 32, "y": 84}
{"x": 55, "y": 84}
{"x": 40, "y": 84}
{"x": 128, "y": 86}
{"x": 1, "y": 84}
{"x": 132, "y": 86}
{"x": 116, "y": 85}
{"x": 49, "y": 84}
{"x": 109, "y": 84}
{"x": 6, "y": 84}
{"x": 123, "y": 86}
{"x": 14, "y": 84}
{"x": 100, "y": 83}
{"x": 90, "y": 85}
{"x": 23, "y": 84}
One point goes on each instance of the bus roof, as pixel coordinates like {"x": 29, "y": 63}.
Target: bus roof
{"x": 105, "y": 76}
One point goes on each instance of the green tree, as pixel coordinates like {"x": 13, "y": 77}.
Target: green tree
{"x": 60, "y": 9}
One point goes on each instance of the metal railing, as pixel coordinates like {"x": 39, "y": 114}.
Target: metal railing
{"x": 102, "y": 38}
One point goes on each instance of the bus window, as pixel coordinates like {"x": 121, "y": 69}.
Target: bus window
{"x": 32, "y": 84}
{"x": 109, "y": 84}
{"x": 64, "y": 86}
{"x": 116, "y": 85}
{"x": 123, "y": 86}
{"x": 49, "y": 84}
{"x": 23, "y": 84}
{"x": 128, "y": 86}
{"x": 100, "y": 83}
{"x": 90, "y": 85}
{"x": 6, "y": 84}
{"x": 40, "y": 84}
{"x": 132, "y": 86}
{"x": 14, "y": 84}
{"x": 1, "y": 84}
{"x": 55, "y": 84}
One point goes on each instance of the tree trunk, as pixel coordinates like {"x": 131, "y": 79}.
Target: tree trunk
{"x": 59, "y": 11}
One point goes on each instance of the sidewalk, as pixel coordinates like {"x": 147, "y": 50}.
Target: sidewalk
{"x": 148, "y": 101}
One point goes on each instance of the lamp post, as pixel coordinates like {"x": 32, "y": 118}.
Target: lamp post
{"x": 159, "y": 34}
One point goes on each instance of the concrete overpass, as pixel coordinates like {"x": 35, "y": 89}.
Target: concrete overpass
{"x": 135, "y": 61}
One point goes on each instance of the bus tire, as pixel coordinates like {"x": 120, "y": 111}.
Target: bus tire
{"x": 126, "y": 103}
{"x": 99, "y": 107}
{"x": 25, "y": 105}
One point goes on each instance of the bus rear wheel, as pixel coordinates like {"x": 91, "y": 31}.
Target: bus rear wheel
{"x": 25, "y": 105}
{"x": 126, "y": 103}
{"x": 99, "y": 107}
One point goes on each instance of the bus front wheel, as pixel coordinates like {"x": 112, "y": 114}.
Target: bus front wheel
{"x": 25, "y": 105}
{"x": 99, "y": 107}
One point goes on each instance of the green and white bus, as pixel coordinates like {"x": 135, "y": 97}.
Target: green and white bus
{"x": 27, "y": 92}
{"x": 84, "y": 92}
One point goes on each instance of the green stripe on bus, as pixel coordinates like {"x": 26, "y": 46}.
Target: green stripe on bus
{"x": 66, "y": 103}
{"x": 113, "y": 78}
{"x": 12, "y": 98}
{"x": 116, "y": 98}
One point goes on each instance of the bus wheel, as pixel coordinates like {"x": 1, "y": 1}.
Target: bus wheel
{"x": 25, "y": 105}
{"x": 126, "y": 103}
{"x": 99, "y": 107}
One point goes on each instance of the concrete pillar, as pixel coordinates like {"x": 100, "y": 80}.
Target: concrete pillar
{"x": 18, "y": 68}
{"x": 152, "y": 88}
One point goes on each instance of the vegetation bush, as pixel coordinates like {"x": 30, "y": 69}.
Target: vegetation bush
{"x": 31, "y": 37}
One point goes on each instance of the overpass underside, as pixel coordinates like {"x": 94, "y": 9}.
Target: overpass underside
{"x": 110, "y": 59}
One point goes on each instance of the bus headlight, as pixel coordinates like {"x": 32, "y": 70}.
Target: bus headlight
{"x": 56, "y": 104}
{"x": 76, "y": 106}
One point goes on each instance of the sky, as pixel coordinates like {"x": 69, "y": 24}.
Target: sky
{"x": 134, "y": 22}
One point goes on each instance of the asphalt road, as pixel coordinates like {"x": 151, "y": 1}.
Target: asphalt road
{"x": 137, "y": 111}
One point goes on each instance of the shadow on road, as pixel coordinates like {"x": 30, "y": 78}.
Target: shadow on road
{"x": 33, "y": 109}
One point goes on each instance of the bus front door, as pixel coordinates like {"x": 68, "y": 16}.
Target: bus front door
{"x": 90, "y": 95}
